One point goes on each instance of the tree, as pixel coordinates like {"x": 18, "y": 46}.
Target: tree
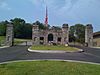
{"x": 41, "y": 25}
{"x": 71, "y": 34}
{"x": 56, "y": 27}
{"x": 21, "y": 28}
{"x": 3, "y": 28}
{"x": 77, "y": 33}
{"x": 28, "y": 30}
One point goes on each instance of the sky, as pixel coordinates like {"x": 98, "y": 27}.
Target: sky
{"x": 59, "y": 11}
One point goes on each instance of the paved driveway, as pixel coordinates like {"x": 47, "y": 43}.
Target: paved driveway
{"x": 21, "y": 53}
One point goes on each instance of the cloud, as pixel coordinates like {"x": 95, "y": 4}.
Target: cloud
{"x": 57, "y": 5}
{"x": 50, "y": 3}
{"x": 36, "y": 2}
{"x": 4, "y": 5}
{"x": 71, "y": 11}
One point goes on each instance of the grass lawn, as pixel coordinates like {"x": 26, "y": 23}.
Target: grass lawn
{"x": 49, "y": 68}
{"x": 16, "y": 40}
{"x": 2, "y": 38}
{"x": 60, "y": 47}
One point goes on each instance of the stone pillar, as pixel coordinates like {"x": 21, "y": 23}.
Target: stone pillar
{"x": 9, "y": 35}
{"x": 35, "y": 35}
{"x": 89, "y": 35}
{"x": 65, "y": 34}
{"x": 54, "y": 37}
{"x": 45, "y": 40}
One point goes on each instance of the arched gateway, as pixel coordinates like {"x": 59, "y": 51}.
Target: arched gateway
{"x": 58, "y": 36}
{"x": 44, "y": 36}
{"x": 50, "y": 37}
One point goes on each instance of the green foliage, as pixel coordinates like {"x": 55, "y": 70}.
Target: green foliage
{"x": 21, "y": 28}
{"x": 71, "y": 34}
{"x": 2, "y": 38}
{"x": 41, "y": 25}
{"x": 77, "y": 33}
{"x": 3, "y": 28}
{"x": 49, "y": 68}
{"x": 56, "y": 27}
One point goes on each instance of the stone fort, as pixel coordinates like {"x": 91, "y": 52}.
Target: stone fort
{"x": 50, "y": 36}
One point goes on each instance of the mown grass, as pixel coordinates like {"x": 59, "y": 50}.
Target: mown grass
{"x": 58, "y": 47}
{"x": 2, "y": 40}
{"x": 16, "y": 40}
{"x": 49, "y": 68}
{"x": 19, "y": 41}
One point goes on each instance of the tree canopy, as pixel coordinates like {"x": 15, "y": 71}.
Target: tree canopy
{"x": 77, "y": 33}
{"x": 21, "y": 28}
{"x": 41, "y": 25}
{"x": 3, "y": 28}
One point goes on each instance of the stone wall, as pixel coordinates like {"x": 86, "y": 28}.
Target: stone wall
{"x": 96, "y": 42}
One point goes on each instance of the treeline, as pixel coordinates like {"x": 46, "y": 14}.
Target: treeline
{"x": 21, "y": 28}
{"x": 77, "y": 33}
{"x": 24, "y": 30}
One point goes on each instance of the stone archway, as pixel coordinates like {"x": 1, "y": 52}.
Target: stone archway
{"x": 50, "y": 37}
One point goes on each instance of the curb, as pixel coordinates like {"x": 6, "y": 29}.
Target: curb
{"x": 96, "y": 47}
{"x": 54, "y": 51}
{"x": 4, "y": 47}
{"x": 75, "y": 61}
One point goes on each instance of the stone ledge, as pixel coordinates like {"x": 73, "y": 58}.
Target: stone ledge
{"x": 96, "y": 47}
{"x": 4, "y": 47}
{"x": 54, "y": 51}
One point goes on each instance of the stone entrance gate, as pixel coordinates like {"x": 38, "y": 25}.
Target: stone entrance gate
{"x": 41, "y": 37}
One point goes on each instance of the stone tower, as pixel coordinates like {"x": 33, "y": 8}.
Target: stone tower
{"x": 35, "y": 34}
{"x": 89, "y": 35}
{"x": 9, "y": 35}
{"x": 65, "y": 34}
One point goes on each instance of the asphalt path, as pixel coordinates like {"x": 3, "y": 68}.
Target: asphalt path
{"x": 21, "y": 53}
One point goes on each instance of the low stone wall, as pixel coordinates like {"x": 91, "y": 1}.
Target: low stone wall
{"x": 96, "y": 42}
{"x": 76, "y": 43}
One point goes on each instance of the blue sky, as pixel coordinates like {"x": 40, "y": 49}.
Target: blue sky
{"x": 60, "y": 11}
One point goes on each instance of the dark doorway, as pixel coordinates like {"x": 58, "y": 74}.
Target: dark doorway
{"x": 50, "y": 37}
{"x": 41, "y": 40}
{"x": 59, "y": 39}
